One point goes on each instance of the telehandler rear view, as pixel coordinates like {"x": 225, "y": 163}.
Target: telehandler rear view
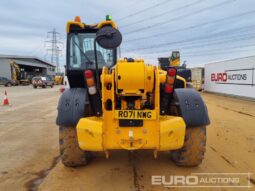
{"x": 124, "y": 104}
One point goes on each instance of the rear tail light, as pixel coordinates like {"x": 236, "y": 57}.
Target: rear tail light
{"x": 88, "y": 73}
{"x": 171, "y": 72}
{"x": 170, "y": 78}
{"x": 90, "y": 81}
{"x": 168, "y": 88}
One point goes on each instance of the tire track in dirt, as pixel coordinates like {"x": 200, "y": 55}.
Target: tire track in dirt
{"x": 243, "y": 113}
{"x": 223, "y": 157}
{"x": 136, "y": 178}
{"x": 33, "y": 184}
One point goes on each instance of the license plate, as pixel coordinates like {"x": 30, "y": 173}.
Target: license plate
{"x": 135, "y": 114}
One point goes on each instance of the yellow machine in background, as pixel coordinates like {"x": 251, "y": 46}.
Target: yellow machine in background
{"x": 15, "y": 71}
{"x": 59, "y": 80}
{"x": 172, "y": 61}
{"x": 175, "y": 59}
{"x": 125, "y": 104}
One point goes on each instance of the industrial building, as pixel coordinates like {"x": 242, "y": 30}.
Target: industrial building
{"x": 27, "y": 66}
{"x": 234, "y": 77}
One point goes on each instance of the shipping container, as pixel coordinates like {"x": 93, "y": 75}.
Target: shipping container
{"x": 233, "y": 77}
{"x": 197, "y": 77}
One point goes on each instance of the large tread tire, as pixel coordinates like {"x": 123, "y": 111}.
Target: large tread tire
{"x": 192, "y": 152}
{"x": 70, "y": 152}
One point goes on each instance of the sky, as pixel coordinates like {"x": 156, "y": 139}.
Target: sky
{"x": 203, "y": 31}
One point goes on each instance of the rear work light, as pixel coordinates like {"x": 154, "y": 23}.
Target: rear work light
{"x": 90, "y": 81}
{"x": 92, "y": 90}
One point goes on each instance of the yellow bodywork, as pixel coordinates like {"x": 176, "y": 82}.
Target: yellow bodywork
{"x": 175, "y": 62}
{"x": 158, "y": 133}
{"x": 83, "y": 25}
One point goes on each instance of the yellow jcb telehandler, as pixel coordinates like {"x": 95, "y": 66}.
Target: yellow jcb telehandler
{"x": 124, "y": 104}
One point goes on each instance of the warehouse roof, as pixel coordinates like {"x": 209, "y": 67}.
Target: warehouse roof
{"x": 26, "y": 58}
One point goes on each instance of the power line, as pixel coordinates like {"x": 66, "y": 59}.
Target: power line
{"x": 181, "y": 17}
{"x": 190, "y": 46}
{"x": 143, "y": 10}
{"x": 198, "y": 54}
{"x": 191, "y": 27}
{"x": 36, "y": 50}
{"x": 217, "y": 53}
{"x": 217, "y": 35}
{"x": 55, "y": 47}
{"x": 164, "y": 13}
{"x": 209, "y": 51}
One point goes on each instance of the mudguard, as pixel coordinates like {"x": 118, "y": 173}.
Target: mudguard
{"x": 71, "y": 106}
{"x": 192, "y": 107}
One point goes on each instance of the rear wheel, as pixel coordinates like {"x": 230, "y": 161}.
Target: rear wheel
{"x": 192, "y": 152}
{"x": 34, "y": 86}
{"x": 70, "y": 152}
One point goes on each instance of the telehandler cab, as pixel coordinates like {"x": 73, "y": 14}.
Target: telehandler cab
{"x": 124, "y": 104}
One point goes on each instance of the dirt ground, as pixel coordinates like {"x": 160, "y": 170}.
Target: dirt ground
{"x": 29, "y": 156}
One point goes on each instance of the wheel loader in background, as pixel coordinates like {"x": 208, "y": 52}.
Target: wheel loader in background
{"x": 174, "y": 61}
{"x": 59, "y": 79}
{"x": 124, "y": 104}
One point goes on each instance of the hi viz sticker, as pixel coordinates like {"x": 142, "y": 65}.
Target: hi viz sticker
{"x": 135, "y": 114}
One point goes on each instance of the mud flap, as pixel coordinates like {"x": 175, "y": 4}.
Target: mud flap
{"x": 71, "y": 106}
{"x": 192, "y": 107}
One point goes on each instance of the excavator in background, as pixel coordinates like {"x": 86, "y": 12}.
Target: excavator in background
{"x": 174, "y": 61}
{"x": 16, "y": 74}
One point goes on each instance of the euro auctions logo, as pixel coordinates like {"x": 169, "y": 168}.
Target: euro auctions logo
{"x": 234, "y": 77}
{"x": 224, "y": 77}
{"x": 216, "y": 77}
{"x": 204, "y": 180}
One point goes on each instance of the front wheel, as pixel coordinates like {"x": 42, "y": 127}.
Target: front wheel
{"x": 71, "y": 154}
{"x": 192, "y": 152}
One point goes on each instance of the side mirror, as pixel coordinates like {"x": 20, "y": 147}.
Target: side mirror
{"x": 108, "y": 37}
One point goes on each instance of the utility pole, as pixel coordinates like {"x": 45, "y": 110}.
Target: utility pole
{"x": 54, "y": 47}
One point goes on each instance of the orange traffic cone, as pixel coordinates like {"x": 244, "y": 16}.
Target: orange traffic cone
{"x": 6, "y": 101}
